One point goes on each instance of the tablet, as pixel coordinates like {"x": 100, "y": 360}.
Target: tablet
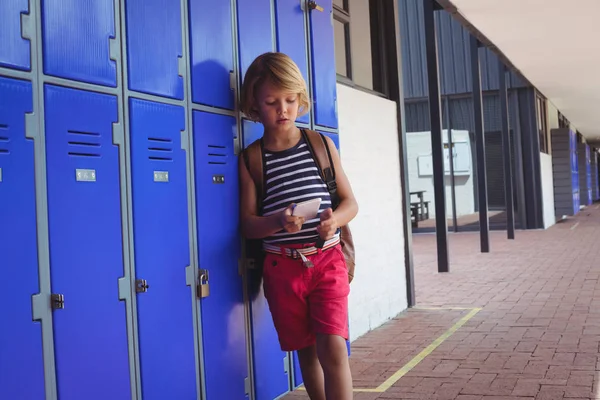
{"x": 307, "y": 209}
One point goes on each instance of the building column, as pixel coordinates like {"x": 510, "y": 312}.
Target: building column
{"x": 506, "y": 153}
{"x": 484, "y": 225}
{"x": 437, "y": 146}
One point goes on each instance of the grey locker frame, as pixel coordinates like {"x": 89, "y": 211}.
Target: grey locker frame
{"x": 31, "y": 27}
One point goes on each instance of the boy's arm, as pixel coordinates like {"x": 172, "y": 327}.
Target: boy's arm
{"x": 253, "y": 226}
{"x": 348, "y": 207}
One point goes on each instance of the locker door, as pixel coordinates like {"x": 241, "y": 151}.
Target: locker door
{"x": 14, "y": 49}
{"x": 154, "y": 47}
{"x": 323, "y": 65}
{"x": 255, "y": 34}
{"x": 76, "y": 40}
{"x": 291, "y": 37}
{"x": 162, "y": 254}
{"x": 86, "y": 245}
{"x": 21, "y": 363}
{"x": 223, "y": 318}
{"x": 211, "y": 48}
{"x": 270, "y": 363}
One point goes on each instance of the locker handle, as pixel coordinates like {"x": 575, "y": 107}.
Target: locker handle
{"x": 314, "y": 6}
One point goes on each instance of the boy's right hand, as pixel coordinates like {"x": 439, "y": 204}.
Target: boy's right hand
{"x": 290, "y": 223}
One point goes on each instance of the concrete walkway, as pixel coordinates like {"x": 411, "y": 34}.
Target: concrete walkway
{"x": 522, "y": 322}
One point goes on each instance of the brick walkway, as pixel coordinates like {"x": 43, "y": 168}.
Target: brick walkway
{"x": 537, "y": 335}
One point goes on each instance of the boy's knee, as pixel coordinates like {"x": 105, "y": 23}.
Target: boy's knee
{"x": 332, "y": 352}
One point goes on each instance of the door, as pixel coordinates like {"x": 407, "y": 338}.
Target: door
{"x": 225, "y": 359}
{"x": 154, "y": 47}
{"x": 76, "y": 40}
{"x": 162, "y": 252}
{"x": 21, "y": 363}
{"x": 15, "y": 50}
{"x": 323, "y": 65}
{"x": 291, "y": 37}
{"x": 86, "y": 245}
{"x": 255, "y": 33}
{"x": 211, "y": 52}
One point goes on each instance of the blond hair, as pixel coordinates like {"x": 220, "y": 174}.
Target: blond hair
{"x": 281, "y": 71}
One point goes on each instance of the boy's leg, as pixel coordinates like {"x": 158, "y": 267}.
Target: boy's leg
{"x": 333, "y": 356}
{"x": 312, "y": 373}
{"x": 329, "y": 318}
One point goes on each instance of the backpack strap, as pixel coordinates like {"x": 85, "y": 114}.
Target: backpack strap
{"x": 254, "y": 164}
{"x": 318, "y": 146}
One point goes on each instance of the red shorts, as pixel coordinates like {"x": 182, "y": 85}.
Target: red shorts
{"x": 305, "y": 301}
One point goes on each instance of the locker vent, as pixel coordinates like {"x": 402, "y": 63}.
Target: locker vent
{"x": 160, "y": 149}
{"x": 3, "y": 140}
{"x": 216, "y": 154}
{"x": 82, "y": 144}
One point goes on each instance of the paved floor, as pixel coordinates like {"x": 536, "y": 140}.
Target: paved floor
{"x": 522, "y": 322}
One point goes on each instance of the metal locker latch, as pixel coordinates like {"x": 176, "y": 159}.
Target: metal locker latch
{"x": 57, "y": 301}
{"x": 203, "y": 286}
{"x": 314, "y": 6}
{"x": 141, "y": 286}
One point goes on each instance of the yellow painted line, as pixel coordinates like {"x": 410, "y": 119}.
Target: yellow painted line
{"x": 421, "y": 356}
{"x": 574, "y": 226}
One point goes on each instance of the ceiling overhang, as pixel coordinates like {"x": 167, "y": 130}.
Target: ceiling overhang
{"x": 554, "y": 44}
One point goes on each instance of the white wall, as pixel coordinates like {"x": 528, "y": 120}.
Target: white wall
{"x": 370, "y": 157}
{"x": 547, "y": 173}
{"x": 547, "y": 189}
{"x": 418, "y": 144}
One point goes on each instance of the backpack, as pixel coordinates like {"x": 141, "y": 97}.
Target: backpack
{"x": 253, "y": 158}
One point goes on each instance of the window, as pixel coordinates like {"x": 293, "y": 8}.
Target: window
{"x": 542, "y": 122}
{"x": 361, "y": 36}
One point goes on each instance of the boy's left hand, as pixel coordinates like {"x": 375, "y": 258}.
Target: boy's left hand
{"x": 328, "y": 226}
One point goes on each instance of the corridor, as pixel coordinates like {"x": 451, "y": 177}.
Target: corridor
{"x": 522, "y": 322}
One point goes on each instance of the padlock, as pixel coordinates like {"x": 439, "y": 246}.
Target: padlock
{"x": 203, "y": 285}
{"x": 204, "y": 290}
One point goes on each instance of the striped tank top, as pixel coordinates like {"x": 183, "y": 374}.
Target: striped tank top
{"x": 292, "y": 176}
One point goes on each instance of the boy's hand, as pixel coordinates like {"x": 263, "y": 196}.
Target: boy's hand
{"x": 328, "y": 226}
{"x": 290, "y": 223}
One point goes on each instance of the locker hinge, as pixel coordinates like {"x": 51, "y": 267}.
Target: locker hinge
{"x": 203, "y": 285}
{"x": 57, "y": 301}
{"x": 286, "y": 364}
{"x": 114, "y": 49}
{"x": 141, "y": 286}
{"x": 232, "y": 80}
{"x": 247, "y": 386}
{"x": 27, "y": 26}
{"x": 181, "y": 66}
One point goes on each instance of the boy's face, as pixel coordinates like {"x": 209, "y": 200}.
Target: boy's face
{"x": 277, "y": 109}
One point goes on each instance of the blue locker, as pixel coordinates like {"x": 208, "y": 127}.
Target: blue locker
{"x": 223, "y": 319}
{"x": 76, "y": 40}
{"x": 211, "y": 46}
{"x": 14, "y": 50}
{"x": 86, "y": 244}
{"x": 255, "y": 34}
{"x": 161, "y": 238}
{"x": 323, "y": 65}
{"x": 335, "y": 137}
{"x": 271, "y": 378}
{"x": 154, "y": 47}
{"x": 21, "y": 363}
{"x": 290, "y": 37}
